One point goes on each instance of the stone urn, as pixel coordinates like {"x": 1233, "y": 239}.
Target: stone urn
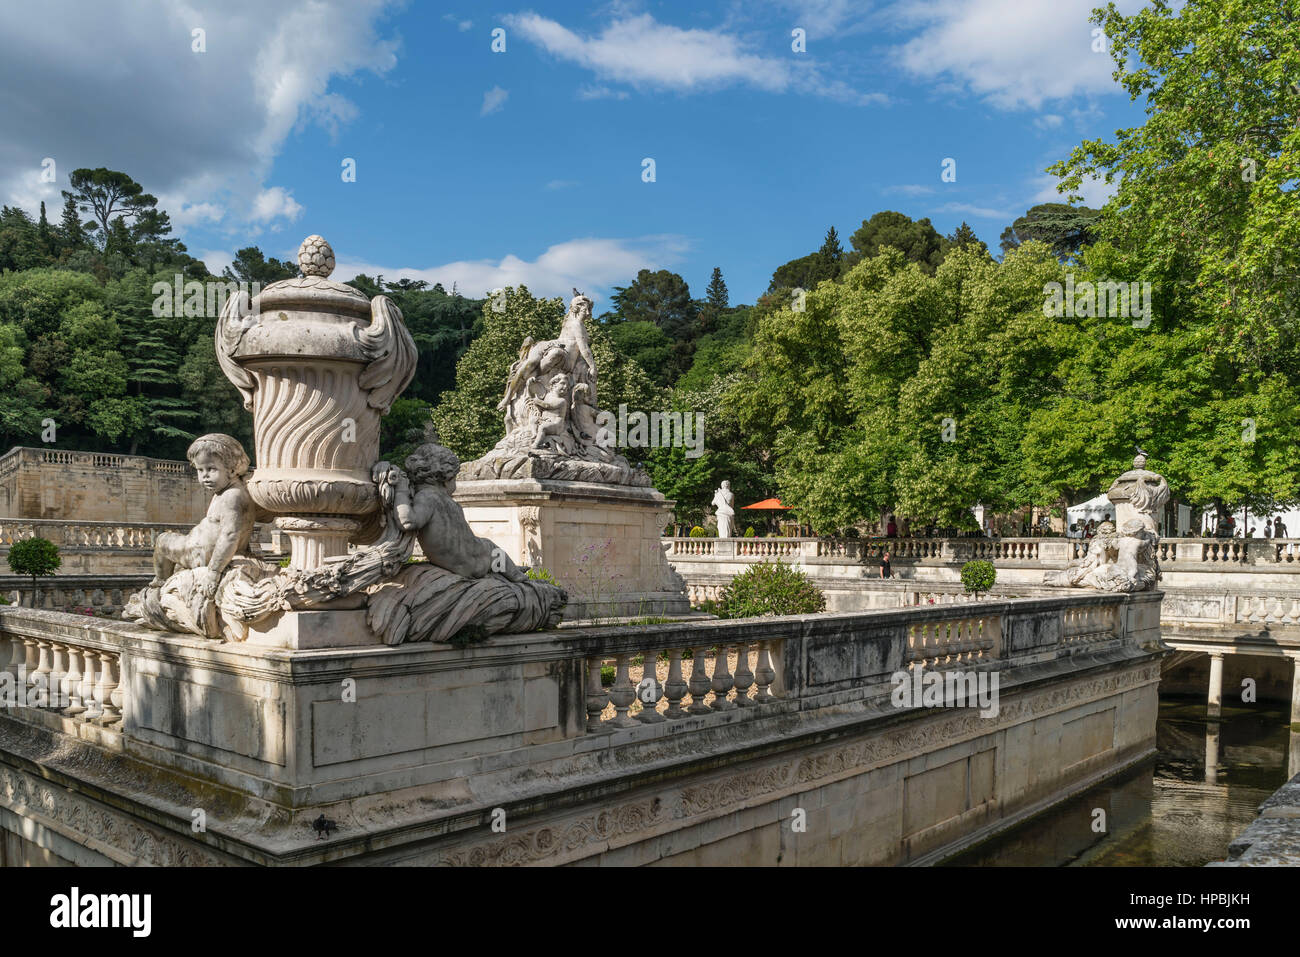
{"x": 317, "y": 363}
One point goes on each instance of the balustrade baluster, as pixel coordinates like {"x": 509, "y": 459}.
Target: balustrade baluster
{"x": 597, "y": 696}
{"x": 722, "y": 681}
{"x": 17, "y": 660}
{"x": 89, "y": 686}
{"x": 108, "y": 678}
{"x": 39, "y": 676}
{"x": 71, "y": 688}
{"x": 622, "y": 694}
{"x": 675, "y": 687}
{"x": 649, "y": 693}
{"x": 58, "y": 673}
{"x": 744, "y": 677}
{"x": 764, "y": 674}
{"x": 699, "y": 683}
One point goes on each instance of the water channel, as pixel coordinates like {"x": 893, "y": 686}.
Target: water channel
{"x": 1168, "y": 811}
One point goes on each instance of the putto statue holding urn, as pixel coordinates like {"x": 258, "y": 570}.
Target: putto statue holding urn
{"x": 318, "y": 363}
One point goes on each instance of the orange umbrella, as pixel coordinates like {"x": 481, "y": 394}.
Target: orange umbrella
{"x": 768, "y": 503}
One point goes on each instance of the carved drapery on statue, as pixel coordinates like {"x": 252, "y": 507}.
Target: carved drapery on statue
{"x": 552, "y": 420}
{"x": 1123, "y": 556}
{"x": 317, "y": 363}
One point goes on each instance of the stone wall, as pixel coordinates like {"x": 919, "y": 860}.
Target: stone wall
{"x": 98, "y": 487}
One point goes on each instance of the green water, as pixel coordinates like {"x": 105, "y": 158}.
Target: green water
{"x": 1167, "y": 812}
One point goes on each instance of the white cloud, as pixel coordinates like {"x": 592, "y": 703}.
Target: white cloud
{"x": 1095, "y": 192}
{"x": 461, "y": 25}
{"x": 648, "y": 55}
{"x": 983, "y": 212}
{"x": 493, "y": 100}
{"x": 824, "y": 18}
{"x": 909, "y": 189}
{"x": 275, "y": 203}
{"x": 216, "y": 259}
{"x": 1048, "y": 121}
{"x": 184, "y": 215}
{"x": 1014, "y": 53}
{"x": 202, "y": 128}
{"x": 590, "y": 92}
{"x": 561, "y": 183}
{"x": 591, "y": 265}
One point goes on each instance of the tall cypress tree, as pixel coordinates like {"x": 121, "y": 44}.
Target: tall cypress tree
{"x": 716, "y": 294}
{"x": 70, "y": 226}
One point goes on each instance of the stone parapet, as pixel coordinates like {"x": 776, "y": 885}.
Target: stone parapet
{"x": 411, "y": 749}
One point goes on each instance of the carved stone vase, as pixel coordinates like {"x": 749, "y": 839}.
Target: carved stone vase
{"x": 317, "y": 363}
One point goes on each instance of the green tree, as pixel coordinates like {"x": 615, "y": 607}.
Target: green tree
{"x": 917, "y": 239}
{"x": 647, "y": 345}
{"x": 662, "y": 298}
{"x": 964, "y": 236}
{"x": 108, "y": 195}
{"x": 251, "y": 265}
{"x": 71, "y": 232}
{"x": 716, "y": 294}
{"x": 35, "y": 557}
{"x": 1065, "y": 228}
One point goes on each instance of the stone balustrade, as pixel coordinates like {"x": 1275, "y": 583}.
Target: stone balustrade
{"x": 656, "y": 677}
{"x": 85, "y": 535}
{"x": 76, "y": 678}
{"x": 109, "y": 548}
{"x": 710, "y": 715}
{"x": 1047, "y": 552}
{"x": 651, "y": 686}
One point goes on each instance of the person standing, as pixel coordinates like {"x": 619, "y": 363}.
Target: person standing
{"x": 885, "y": 571}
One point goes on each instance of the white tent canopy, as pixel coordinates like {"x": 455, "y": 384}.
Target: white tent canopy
{"x": 1099, "y": 509}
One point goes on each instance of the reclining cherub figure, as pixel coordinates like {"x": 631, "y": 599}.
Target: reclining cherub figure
{"x": 437, "y": 519}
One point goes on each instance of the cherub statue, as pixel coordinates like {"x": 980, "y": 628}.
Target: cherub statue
{"x": 226, "y": 529}
{"x": 550, "y": 413}
{"x": 1094, "y": 567}
{"x": 436, "y": 518}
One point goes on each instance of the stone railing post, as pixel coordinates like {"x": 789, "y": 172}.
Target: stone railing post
{"x": 1261, "y": 552}
{"x": 1055, "y": 551}
{"x": 724, "y": 548}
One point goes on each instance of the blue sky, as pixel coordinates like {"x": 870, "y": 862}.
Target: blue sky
{"x": 492, "y": 168}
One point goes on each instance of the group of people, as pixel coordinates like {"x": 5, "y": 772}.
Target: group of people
{"x": 1088, "y": 529}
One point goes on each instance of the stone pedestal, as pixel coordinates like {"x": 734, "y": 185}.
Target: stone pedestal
{"x": 312, "y": 630}
{"x": 603, "y": 543}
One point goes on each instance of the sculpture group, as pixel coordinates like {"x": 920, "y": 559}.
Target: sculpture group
{"x": 1123, "y": 556}
{"x": 317, "y": 364}
{"x": 552, "y": 422}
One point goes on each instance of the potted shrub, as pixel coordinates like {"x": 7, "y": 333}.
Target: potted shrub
{"x": 34, "y": 557}
{"x": 978, "y": 576}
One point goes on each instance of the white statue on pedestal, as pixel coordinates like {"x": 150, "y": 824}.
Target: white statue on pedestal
{"x": 724, "y": 501}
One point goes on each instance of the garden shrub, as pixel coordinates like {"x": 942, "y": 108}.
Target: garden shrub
{"x": 978, "y": 576}
{"x": 771, "y": 588}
